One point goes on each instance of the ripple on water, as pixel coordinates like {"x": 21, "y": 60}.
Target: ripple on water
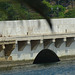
{"x": 59, "y": 68}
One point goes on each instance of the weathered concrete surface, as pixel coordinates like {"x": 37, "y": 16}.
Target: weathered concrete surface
{"x": 32, "y": 27}
{"x": 19, "y": 39}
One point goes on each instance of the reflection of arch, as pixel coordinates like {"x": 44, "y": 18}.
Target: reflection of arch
{"x": 46, "y": 56}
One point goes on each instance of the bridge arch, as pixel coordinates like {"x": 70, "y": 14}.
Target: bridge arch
{"x": 46, "y": 56}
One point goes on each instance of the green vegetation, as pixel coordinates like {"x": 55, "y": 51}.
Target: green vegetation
{"x": 70, "y": 14}
{"x": 57, "y": 11}
{"x": 17, "y": 11}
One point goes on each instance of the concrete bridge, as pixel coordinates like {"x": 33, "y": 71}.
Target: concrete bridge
{"x": 24, "y": 39}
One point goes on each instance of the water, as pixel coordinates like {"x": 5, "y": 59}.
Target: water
{"x": 65, "y": 67}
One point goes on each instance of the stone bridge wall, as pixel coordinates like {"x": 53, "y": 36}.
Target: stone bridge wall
{"x": 26, "y": 48}
{"x": 36, "y": 27}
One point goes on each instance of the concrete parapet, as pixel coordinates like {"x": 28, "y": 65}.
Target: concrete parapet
{"x": 7, "y": 42}
{"x": 36, "y": 27}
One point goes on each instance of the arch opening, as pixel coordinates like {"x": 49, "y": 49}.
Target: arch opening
{"x": 46, "y": 56}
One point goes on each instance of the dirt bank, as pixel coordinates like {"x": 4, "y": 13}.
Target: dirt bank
{"x": 6, "y": 64}
{"x": 14, "y": 63}
{"x": 69, "y": 57}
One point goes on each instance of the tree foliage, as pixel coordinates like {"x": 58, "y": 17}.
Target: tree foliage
{"x": 57, "y": 11}
{"x": 70, "y": 14}
{"x": 17, "y": 11}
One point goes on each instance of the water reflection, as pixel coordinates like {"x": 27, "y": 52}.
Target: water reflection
{"x": 59, "y": 68}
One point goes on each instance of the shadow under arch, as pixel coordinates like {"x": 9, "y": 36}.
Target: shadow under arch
{"x": 46, "y": 56}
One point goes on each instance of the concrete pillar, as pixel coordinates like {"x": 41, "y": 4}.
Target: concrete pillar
{"x": 28, "y": 42}
{"x": 58, "y": 42}
{"x": 8, "y": 49}
{"x": 21, "y": 45}
{"x": 41, "y": 41}
{"x": 34, "y": 44}
{"x": 64, "y": 39}
{"x": 47, "y": 43}
{"x": 2, "y": 47}
{"x": 53, "y": 40}
{"x": 69, "y": 41}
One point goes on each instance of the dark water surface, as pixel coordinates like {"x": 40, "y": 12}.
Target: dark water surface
{"x": 65, "y": 67}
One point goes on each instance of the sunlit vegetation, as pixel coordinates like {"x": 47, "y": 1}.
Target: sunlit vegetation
{"x": 17, "y": 11}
